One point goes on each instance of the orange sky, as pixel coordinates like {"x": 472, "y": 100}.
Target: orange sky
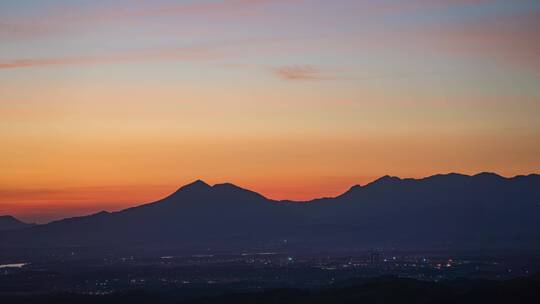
{"x": 107, "y": 105}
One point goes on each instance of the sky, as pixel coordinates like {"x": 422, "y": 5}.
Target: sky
{"x": 110, "y": 104}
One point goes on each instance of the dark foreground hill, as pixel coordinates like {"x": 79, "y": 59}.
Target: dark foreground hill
{"x": 453, "y": 211}
{"x": 383, "y": 290}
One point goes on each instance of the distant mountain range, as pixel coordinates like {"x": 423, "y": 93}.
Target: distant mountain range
{"x": 441, "y": 212}
{"x": 8, "y": 222}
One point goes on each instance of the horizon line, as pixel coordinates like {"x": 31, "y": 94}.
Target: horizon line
{"x": 135, "y": 205}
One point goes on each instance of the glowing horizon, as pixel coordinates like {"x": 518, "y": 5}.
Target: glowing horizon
{"x": 46, "y": 205}
{"x": 110, "y": 103}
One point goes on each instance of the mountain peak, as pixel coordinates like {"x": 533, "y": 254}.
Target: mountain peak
{"x": 200, "y": 182}
{"x": 10, "y": 218}
{"x": 196, "y": 185}
{"x": 488, "y": 175}
{"x": 387, "y": 179}
{"x": 8, "y": 222}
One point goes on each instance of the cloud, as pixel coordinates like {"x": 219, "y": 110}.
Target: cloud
{"x": 373, "y": 7}
{"x": 173, "y": 54}
{"x": 201, "y": 52}
{"x": 299, "y": 72}
{"x": 68, "y": 19}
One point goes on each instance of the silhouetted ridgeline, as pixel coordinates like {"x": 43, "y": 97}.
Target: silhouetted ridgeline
{"x": 8, "y": 222}
{"x": 453, "y": 211}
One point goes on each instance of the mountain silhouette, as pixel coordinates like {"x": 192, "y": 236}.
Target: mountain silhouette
{"x": 446, "y": 211}
{"x": 8, "y": 222}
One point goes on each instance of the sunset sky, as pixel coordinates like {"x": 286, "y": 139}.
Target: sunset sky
{"x": 109, "y": 104}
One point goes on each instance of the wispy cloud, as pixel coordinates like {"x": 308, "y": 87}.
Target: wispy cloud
{"x": 173, "y": 54}
{"x": 299, "y": 72}
{"x": 68, "y": 19}
{"x": 373, "y": 7}
{"x": 208, "y": 51}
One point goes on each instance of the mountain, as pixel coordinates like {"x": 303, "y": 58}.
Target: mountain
{"x": 8, "y": 222}
{"x": 450, "y": 211}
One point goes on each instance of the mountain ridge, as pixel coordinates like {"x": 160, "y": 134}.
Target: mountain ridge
{"x": 9, "y": 222}
{"x": 484, "y": 210}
